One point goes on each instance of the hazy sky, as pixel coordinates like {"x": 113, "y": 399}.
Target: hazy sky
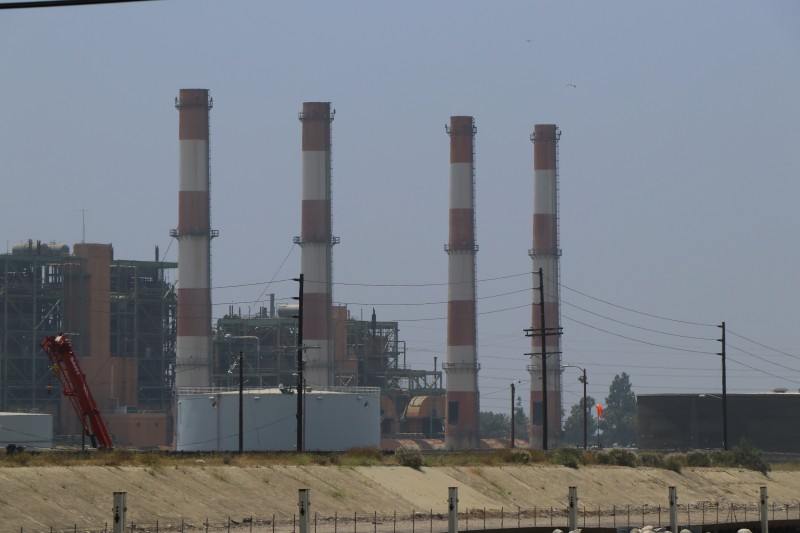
{"x": 678, "y": 164}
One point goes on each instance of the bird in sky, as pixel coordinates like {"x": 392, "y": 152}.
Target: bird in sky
{"x": 571, "y": 85}
{"x": 528, "y": 40}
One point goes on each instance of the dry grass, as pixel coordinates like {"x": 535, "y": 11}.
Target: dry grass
{"x": 155, "y": 460}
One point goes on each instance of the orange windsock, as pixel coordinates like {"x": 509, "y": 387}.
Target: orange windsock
{"x": 599, "y": 410}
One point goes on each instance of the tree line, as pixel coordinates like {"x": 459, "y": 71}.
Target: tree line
{"x": 616, "y": 427}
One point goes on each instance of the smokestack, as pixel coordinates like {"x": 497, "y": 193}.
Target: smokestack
{"x": 317, "y": 240}
{"x": 545, "y": 255}
{"x": 194, "y": 234}
{"x": 461, "y": 367}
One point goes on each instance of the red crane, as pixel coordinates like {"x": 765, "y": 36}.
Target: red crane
{"x": 64, "y": 363}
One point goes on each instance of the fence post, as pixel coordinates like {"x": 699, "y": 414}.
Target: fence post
{"x": 703, "y": 519}
{"x": 598, "y": 516}
{"x": 355, "y": 521}
{"x": 304, "y": 505}
{"x": 206, "y": 524}
{"x": 673, "y": 508}
{"x": 764, "y": 511}
{"x": 374, "y": 522}
{"x": 181, "y": 525}
{"x": 394, "y": 522}
{"x": 413, "y": 521}
{"x": 688, "y": 514}
{"x": 466, "y": 517}
{"x": 452, "y": 506}
{"x": 431, "y": 521}
{"x": 335, "y": 522}
{"x": 614, "y": 515}
{"x": 573, "y": 508}
{"x": 629, "y": 515}
{"x": 315, "y": 522}
{"x": 659, "y": 515}
{"x": 120, "y": 511}
{"x": 518, "y": 516}
{"x": 501, "y": 517}
{"x": 229, "y": 524}
{"x": 484, "y": 516}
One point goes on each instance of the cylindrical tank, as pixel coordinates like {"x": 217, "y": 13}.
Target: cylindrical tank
{"x": 288, "y": 310}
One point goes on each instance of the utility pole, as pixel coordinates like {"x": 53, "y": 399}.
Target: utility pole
{"x": 542, "y": 332}
{"x": 512, "y": 414}
{"x": 585, "y": 410}
{"x": 300, "y": 380}
{"x": 724, "y": 393}
{"x": 241, "y": 402}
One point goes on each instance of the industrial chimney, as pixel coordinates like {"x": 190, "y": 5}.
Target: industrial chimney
{"x": 317, "y": 240}
{"x": 461, "y": 366}
{"x": 194, "y": 234}
{"x": 545, "y": 255}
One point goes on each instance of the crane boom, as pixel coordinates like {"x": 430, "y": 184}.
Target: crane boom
{"x": 64, "y": 363}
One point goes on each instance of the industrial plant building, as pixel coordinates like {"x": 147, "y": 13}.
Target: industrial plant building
{"x": 120, "y": 316}
{"x": 695, "y": 421}
{"x": 160, "y": 367}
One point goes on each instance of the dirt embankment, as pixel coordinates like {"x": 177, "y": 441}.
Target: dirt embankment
{"x": 44, "y": 496}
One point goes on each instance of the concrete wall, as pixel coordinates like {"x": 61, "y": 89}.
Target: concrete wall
{"x": 333, "y": 420}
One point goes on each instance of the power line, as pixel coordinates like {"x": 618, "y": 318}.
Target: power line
{"x": 64, "y": 3}
{"x": 637, "y": 312}
{"x": 638, "y": 327}
{"x": 763, "y": 371}
{"x": 763, "y": 345}
{"x": 762, "y": 358}
{"x": 639, "y": 340}
{"x": 442, "y": 284}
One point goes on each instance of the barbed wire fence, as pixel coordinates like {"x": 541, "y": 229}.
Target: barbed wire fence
{"x": 436, "y": 521}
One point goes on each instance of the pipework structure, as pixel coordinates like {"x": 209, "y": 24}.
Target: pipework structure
{"x": 317, "y": 240}
{"x": 461, "y": 366}
{"x": 545, "y": 254}
{"x": 194, "y": 234}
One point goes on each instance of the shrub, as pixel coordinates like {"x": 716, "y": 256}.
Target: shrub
{"x": 675, "y": 462}
{"x": 410, "y": 457}
{"x": 518, "y": 456}
{"x": 721, "y": 458}
{"x": 513, "y": 455}
{"x": 618, "y": 457}
{"x": 748, "y": 456}
{"x": 651, "y": 459}
{"x": 570, "y": 457}
{"x": 698, "y": 458}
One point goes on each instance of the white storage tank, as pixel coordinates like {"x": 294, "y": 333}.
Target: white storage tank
{"x": 336, "y": 419}
{"x": 31, "y": 430}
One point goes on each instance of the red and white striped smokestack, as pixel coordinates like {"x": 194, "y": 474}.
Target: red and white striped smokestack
{"x": 461, "y": 367}
{"x": 317, "y": 240}
{"x": 194, "y": 234}
{"x": 545, "y": 255}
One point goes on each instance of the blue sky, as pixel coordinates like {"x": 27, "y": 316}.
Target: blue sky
{"x": 678, "y": 167}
